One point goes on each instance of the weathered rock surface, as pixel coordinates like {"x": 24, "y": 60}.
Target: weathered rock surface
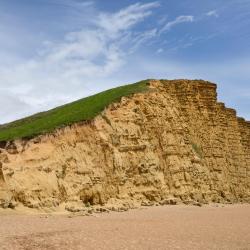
{"x": 173, "y": 144}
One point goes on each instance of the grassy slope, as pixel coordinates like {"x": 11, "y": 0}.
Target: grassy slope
{"x": 81, "y": 110}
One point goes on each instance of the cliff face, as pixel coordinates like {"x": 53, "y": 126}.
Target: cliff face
{"x": 176, "y": 140}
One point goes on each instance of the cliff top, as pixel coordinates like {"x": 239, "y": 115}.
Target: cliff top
{"x": 81, "y": 110}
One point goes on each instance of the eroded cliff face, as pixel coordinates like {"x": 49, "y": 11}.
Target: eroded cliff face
{"x": 173, "y": 142}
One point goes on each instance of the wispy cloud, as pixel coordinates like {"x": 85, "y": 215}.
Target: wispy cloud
{"x": 157, "y": 32}
{"x": 212, "y": 13}
{"x": 57, "y": 73}
{"x": 178, "y": 20}
{"x": 160, "y": 50}
{"x": 125, "y": 18}
{"x": 62, "y": 71}
{"x": 70, "y": 3}
{"x": 96, "y": 52}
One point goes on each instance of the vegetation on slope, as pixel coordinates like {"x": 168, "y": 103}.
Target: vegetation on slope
{"x": 81, "y": 110}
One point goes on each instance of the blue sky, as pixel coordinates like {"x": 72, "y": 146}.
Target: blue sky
{"x": 56, "y": 51}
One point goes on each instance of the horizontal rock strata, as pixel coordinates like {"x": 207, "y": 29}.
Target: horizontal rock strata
{"x": 172, "y": 143}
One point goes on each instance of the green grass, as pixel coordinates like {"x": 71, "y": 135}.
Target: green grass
{"x": 198, "y": 150}
{"x": 81, "y": 110}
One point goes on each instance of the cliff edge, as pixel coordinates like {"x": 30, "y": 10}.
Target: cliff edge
{"x": 172, "y": 143}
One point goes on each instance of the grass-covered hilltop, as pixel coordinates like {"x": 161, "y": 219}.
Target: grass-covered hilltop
{"x": 81, "y": 110}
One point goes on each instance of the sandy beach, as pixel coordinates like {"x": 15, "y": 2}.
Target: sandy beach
{"x": 166, "y": 227}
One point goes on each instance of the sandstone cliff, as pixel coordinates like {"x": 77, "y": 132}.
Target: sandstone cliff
{"x": 173, "y": 142}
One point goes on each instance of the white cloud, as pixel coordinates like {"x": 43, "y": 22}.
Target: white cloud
{"x": 178, "y": 20}
{"x": 125, "y": 18}
{"x": 70, "y": 3}
{"x": 84, "y": 61}
{"x": 63, "y": 71}
{"x": 8, "y": 102}
{"x": 160, "y": 50}
{"x": 212, "y": 13}
{"x": 142, "y": 38}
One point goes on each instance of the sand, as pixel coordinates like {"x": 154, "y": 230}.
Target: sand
{"x": 166, "y": 227}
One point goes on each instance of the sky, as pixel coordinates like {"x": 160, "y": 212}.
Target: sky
{"x": 56, "y": 51}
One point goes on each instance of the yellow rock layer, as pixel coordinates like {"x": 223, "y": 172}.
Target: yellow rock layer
{"x": 175, "y": 142}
